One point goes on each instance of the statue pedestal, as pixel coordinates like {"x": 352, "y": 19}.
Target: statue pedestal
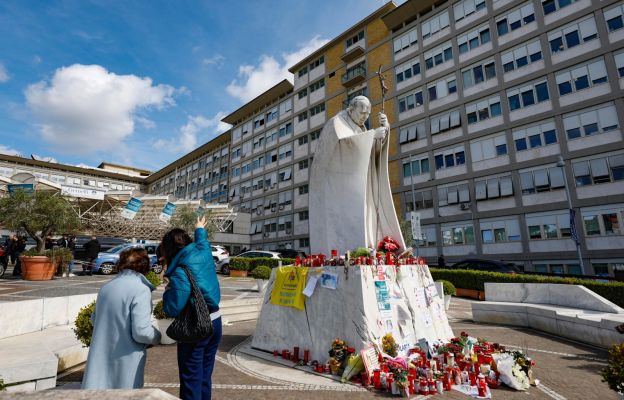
{"x": 365, "y": 305}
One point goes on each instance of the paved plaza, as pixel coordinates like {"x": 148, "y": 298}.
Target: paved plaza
{"x": 566, "y": 370}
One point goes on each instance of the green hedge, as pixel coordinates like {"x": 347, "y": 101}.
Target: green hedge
{"x": 467, "y": 279}
{"x": 249, "y": 264}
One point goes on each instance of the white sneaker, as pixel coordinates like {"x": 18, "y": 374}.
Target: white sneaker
{"x": 71, "y": 274}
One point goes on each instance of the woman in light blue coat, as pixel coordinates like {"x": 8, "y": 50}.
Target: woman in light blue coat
{"x": 122, "y": 327}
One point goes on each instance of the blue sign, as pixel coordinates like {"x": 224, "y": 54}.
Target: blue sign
{"x": 167, "y": 212}
{"x": 133, "y": 207}
{"x": 27, "y": 187}
{"x": 200, "y": 211}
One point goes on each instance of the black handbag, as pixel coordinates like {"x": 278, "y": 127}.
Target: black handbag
{"x": 194, "y": 323}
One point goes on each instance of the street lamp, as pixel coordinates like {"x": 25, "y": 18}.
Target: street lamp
{"x": 561, "y": 163}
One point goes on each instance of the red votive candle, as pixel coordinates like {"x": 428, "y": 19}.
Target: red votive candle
{"x": 275, "y": 353}
{"x": 285, "y": 354}
{"x": 334, "y": 253}
{"x": 296, "y": 353}
{"x": 306, "y": 355}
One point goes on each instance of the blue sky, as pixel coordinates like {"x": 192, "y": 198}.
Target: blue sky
{"x": 141, "y": 83}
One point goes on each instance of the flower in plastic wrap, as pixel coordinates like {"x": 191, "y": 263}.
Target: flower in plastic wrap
{"x": 388, "y": 243}
{"x": 510, "y": 372}
{"x": 354, "y": 366}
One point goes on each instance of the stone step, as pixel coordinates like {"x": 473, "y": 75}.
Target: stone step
{"x": 249, "y": 316}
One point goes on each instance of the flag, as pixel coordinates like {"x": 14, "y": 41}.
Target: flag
{"x": 573, "y": 232}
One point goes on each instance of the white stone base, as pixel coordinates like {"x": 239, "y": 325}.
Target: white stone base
{"x": 351, "y": 313}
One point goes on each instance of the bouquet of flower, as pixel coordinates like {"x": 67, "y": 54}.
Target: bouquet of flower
{"x": 400, "y": 369}
{"x": 388, "y": 243}
{"x": 338, "y": 356}
{"x": 389, "y": 345}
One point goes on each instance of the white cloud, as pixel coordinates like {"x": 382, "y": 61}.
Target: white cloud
{"x": 4, "y": 74}
{"x": 86, "y": 108}
{"x": 189, "y": 134}
{"x": 8, "y": 150}
{"x": 217, "y": 59}
{"x": 253, "y": 80}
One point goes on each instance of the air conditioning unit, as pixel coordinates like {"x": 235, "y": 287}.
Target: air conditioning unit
{"x": 258, "y": 211}
{"x": 288, "y": 231}
{"x": 273, "y": 186}
{"x": 281, "y": 206}
{"x": 266, "y": 188}
{"x": 464, "y": 206}
{"x": 266, "y": 234}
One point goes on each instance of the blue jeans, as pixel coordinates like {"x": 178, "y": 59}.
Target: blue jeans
{"x": 195, "y": 364}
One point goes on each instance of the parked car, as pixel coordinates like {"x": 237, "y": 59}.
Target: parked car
{"x": 223, "y": 266}
{"x": 219, "y": 253}
{"x": 106, "y": 263}
{"x": 106, "y": 243}
{"x": 290, "y": 253}
{"x": 487, "y": 265}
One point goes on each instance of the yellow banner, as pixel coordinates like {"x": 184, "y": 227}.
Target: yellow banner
{"x": 288, "y": 287}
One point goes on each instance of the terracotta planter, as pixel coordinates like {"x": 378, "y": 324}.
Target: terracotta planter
{"x": 475, "y": 294}
{"x": 37, "y": 268}
{"x": 238, "y": 274}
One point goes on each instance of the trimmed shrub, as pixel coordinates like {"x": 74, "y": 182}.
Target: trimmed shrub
{"x": 261, "y": 272}
{"x": 249, "y": 264}
{"x": 469, "y": 279}
{"x": 449, "y": 288}
{"x": 158, "y": 312}
{"x": 153, "y": 278}
{"x": 84, "y": 326}
{"x": 360, "y": 252}
{"x": 613, "y": 374}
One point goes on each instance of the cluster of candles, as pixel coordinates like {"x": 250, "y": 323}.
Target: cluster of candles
{"x": 320, "y": 260}
{"x": 294, "y": 355}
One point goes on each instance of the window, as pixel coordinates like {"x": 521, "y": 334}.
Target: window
{"x": 302, "y": 93}
{"x": 550, "y": 6}
{"x": 500, "y": 231}
{"x": 410, "y": 100}
{"x": 303, "y": 164}
{"x": 457, "y": 234}
{"x": 420, "y": 200}
{"x": 285, "y": 130}
{"x": 572, "y": 35}
{"x": 478, "y": 73}
{"x": 474, "y": 39}
{"x": 415, "y": 166}
{"x": 412, "y": 132}
{"x": 435, "y": 24}
{"x": 445, "y": 121}
{"x": 541, "y": 180}
{"x": 592, "y": 122}
{"x": 285, "y": 151}
{"x": 488, "y": 148}
{"x": 554, "y": 225}
{"x": 303, "y": 189}
{"x": 453, "y": 194}
{"x": 603, "y": 220}
{"x": 304, "y": 242}
{"x": 315, "y": 135}
{"x": 284, "y": 175}
{"x": 521, "y": 56}
{"x": 304, "y": 215}
{"x": 515, "y": 19}
{"x": 405, "y": 41}
{"x": 466, "y": 8}
{"x": 302, "y": 71}
{"x": 442, "y": 88}
{"x": 483, "y": 109}
{"x": 303, "y": 140}
{"x": 439, "y": 55}
{"x": 526, "y": 96}
{"x": 619, "y": 64}
{"x": 581, "y": 77}
{"x": 493, "y": 188}
{"x": 303, "y": 116}
{"x": 270, "y": 157}
{"x": 317, "y": 109}
{"x": 599, "y": 170}
{"x": 613, "y": 17}
{"x": 317, "y": 85}
{"x": 408, "y": 70}
{"x": 538, "y": 135}
{"x": 355, "y": 39}
{"x": 450, "y": 158}
{"x": 320, "y": 61}
{"x": 285, "y": 106}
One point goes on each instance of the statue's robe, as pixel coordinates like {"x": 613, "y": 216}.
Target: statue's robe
{"x": 349, "y": 190}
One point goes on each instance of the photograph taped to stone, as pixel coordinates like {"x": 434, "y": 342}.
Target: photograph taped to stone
{"x": 329, "y": 280}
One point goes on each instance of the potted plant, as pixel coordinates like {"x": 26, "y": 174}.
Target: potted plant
{"x": 61, "y": 257}
{"x": 162, "y": 322}
{"x": 261, "y": 273}
{"x": 84, "y": 325}
{"x": 239, "y": 267}
{"x": 613, "y": 374}
{"x": 39, "y": 214}
{"x": 449, "y": 290}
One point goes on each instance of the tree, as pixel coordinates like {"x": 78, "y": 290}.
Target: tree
{"x": 185, "y": 217}
{"x": 38, "y": 213}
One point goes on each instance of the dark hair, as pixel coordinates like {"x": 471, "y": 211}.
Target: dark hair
{"x": 136, "y": 259}
{"x": 174, "y": 241}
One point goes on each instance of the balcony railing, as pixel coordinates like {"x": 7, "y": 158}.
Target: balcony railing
{"x": 354, "y": 76}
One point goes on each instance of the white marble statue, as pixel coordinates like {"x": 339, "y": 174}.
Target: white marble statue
{"x": 350, "y": 201}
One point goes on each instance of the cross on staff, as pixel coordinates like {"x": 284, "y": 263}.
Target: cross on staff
{"x": 384, "y": 88}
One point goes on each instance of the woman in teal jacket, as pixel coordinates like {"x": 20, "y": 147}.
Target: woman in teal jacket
{"x": 195, "y": 360}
